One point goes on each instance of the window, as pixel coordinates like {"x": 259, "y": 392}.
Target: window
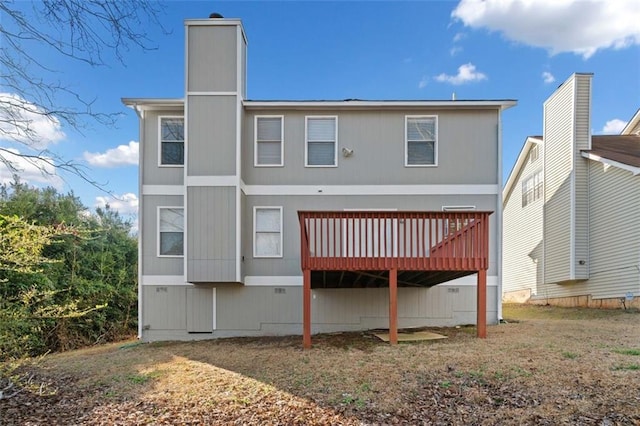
{"x": 452, "y": 225}
{"x": 421, "y": 141}
{"x": 268, "y": 147}
{"x": 532, "y": 188}
{"x": 321, "y": 142}
{"x": 267, "y": 235}
{"x": 171, "y": 141}
{"x": 171, "y": 231}
{"x": 534, "y": 154}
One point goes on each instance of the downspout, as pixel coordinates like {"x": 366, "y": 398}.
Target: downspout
{"x": 499, "y": 219}
{"x": 140, "y": 115}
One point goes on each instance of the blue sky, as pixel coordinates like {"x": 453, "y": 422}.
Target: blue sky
{"x": 369, "y": 50}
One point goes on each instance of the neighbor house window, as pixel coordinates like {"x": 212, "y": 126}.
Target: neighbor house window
{"x": 268, "y": 147}
{"x": 171, "y": 231}
{"x": 421, "y": 141}
{"x": 532, "y": 188}
{"x": 267, "y": 235}
{"x": 321, "y": 142}
{"x": 534, "y": 154}
{"x": 171, "y": 141}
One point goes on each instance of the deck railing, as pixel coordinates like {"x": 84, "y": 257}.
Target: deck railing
{"x": 403, "y": 240}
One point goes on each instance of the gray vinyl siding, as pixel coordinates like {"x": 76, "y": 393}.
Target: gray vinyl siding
{"x": 212, "y": 135}
{"x": 211, "y": 235}
{"x": 522, "y": 237}
{"x": 289, "y": 264}
{"x": 164, "y": 308}
{"x": 152, "y": 174}
{"x": 254, "y": 311}
{"x": 467, "y": 149}
{"x": 200, "y": 310}
{"x": 581, "y": 175}
{"x": 212, "y": 59}
{"x": 615, "y": 232}
{"x": 151, "y": 263}
{"x": 558, "y": 158}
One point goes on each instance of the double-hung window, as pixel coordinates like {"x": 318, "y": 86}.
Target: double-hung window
{"x": 421, "y": 140}
{"x": 267, "y": 232}
{"x": 171, "y": 141}
{"x": 321, "y": 142}
{"x": 170, "y": 231}
{"x": 268, "y": 137}
{"x": 532, "y": 188}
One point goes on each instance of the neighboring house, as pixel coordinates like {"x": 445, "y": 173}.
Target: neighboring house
{"x": 572, "y": 209}
{"x": 234, "y": 235}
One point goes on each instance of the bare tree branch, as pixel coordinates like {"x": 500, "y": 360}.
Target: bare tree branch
{"x": 91, "y": 32}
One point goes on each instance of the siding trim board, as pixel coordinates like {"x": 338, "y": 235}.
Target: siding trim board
{"x": 240, "y": 81}
{"x": 572, "y": 190}
{"x": 318, "y": 190}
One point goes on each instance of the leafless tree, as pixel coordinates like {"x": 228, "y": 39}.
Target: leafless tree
{"x": 92, "y": 32}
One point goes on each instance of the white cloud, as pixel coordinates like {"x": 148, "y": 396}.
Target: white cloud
{"x": 123, "y": 155}
{"x": 35, "y": 171}
{"x": 547, "y": 77}
{"x": 578, "y": 26}
{"x": 455, "y": 50}
{"x": 458, "y": 37}
{"x": 466, "y": 74}
{"x": 614, "y": 127}
{"x": 24, "y": 122}
{"x": 422, "y": 83}
{"x": 125, "y": 204}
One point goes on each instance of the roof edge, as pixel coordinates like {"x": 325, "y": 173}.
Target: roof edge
{"x": 591, "y": 156}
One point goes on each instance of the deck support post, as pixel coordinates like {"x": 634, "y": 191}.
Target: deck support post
{"x": 482, "y": 304}
{"x": 306, "y": 309}
{"x": 393, "y": 306}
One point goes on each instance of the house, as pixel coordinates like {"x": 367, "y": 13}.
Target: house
{"x": 288, "y": 217}
{"x": 572, "y": 209}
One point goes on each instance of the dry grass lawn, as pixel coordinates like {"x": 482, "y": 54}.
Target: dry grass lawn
{"x": 545, "y": 366}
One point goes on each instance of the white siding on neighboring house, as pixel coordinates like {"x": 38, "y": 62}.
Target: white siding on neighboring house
{"x": 566, "y": 132}
{"x": 522, "y": 238}
{"x": 581, "y": 176}
{"x": 614, "y": 219}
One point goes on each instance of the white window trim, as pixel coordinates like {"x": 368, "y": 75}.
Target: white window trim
{"x": 458, "y": 208}
{"x": 160, "y": 118}
{"x": 257, "y": 256}
{"x": 306, "y": 142}
{"x": 406, "y": 142}
{"x": 255, "y": 141}
{"x": 158, "y": 233}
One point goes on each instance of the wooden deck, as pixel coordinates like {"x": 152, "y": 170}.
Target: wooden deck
{"x": 392, "y": 248}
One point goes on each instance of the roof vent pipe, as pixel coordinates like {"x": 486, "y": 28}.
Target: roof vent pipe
{"x": 215, "y": 15}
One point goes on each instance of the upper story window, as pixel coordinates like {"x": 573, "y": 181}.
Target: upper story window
{"x": 421, "y": 141}
{"x": 268, "y": 138}
{"x": 534, "y": 154}
{"x": 267, "y": 235}
{"x": 171, "y": 141}
{"x": 170, "y": 231}
{"x": 532, "y": 188}
{"x": 322, "y": 141}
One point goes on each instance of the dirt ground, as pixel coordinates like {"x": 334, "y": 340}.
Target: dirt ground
{"x": 545, "y": 366}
